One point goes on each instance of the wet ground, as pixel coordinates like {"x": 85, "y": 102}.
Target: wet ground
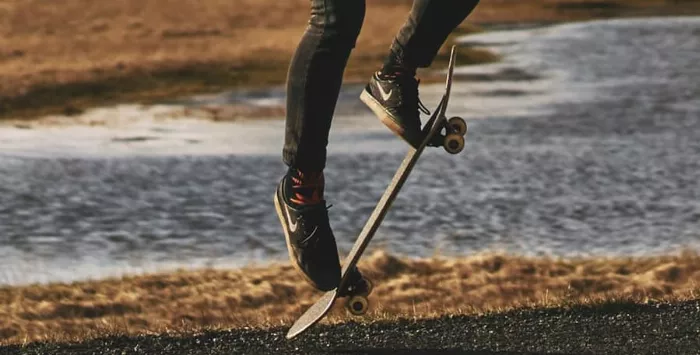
{"x": 611, "y": 329}
{"x": 584, "y": 140}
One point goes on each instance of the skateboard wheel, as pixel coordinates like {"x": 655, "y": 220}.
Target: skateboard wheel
{"x": 357, "y": 305}
{"x": 454, "y": 143}
{"x": 458, "y": 125}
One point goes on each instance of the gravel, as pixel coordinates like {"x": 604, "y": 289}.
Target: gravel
{"x": 654, "y": 328}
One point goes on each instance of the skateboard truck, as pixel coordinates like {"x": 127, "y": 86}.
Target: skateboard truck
{"x": 453, "y": 139}
{"x": 356, "y": 290}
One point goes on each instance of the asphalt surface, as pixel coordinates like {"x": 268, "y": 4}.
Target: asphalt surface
{"x": 660, "y": 328}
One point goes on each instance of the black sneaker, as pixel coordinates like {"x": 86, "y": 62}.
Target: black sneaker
{"x": 394, "y": 99}
{"x": 310, "y": 240}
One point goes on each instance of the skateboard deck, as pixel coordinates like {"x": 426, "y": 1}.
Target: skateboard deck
{"x": 431, "y": 130}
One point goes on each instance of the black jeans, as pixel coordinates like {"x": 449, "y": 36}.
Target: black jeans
{"x": 316, "y": 70}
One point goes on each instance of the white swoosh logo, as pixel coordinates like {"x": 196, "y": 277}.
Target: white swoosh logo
{"x": 292, "y": 225}
{"x": 385, "y": 95}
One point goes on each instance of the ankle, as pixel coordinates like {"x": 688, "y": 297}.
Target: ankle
{"x": 393, "y": 71}
{"x": 304, "y": 188}
{"x": 395, "y": 65}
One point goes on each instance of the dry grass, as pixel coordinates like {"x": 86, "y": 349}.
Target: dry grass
{"x": 67, "y": 54}
{"x": 64, "y": 55}
{"x": 275, "y": 295}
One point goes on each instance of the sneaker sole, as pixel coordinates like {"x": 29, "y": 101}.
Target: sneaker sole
{"x": 292, "y": 258}
{"x": 383, "y": 115}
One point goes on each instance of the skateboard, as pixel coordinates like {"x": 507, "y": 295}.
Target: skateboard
{"x": 352, "y": 285}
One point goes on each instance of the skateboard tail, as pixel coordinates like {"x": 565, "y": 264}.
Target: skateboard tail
{"x": 313, "y": 314}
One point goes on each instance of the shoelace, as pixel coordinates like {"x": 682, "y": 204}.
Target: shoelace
{"x": 422, "y": 107}
{"x": 414, "y": 93}
{"x": 301, "y": 188}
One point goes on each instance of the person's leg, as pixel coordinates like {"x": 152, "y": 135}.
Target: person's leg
{"x": 314, "y": 79}
{"x": 313, "y": 84}
{"x": 425, "y": 31}
{"x": 392, "y": 93}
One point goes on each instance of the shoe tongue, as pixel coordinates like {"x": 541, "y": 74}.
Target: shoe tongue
{"x": 307, "y": 188}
